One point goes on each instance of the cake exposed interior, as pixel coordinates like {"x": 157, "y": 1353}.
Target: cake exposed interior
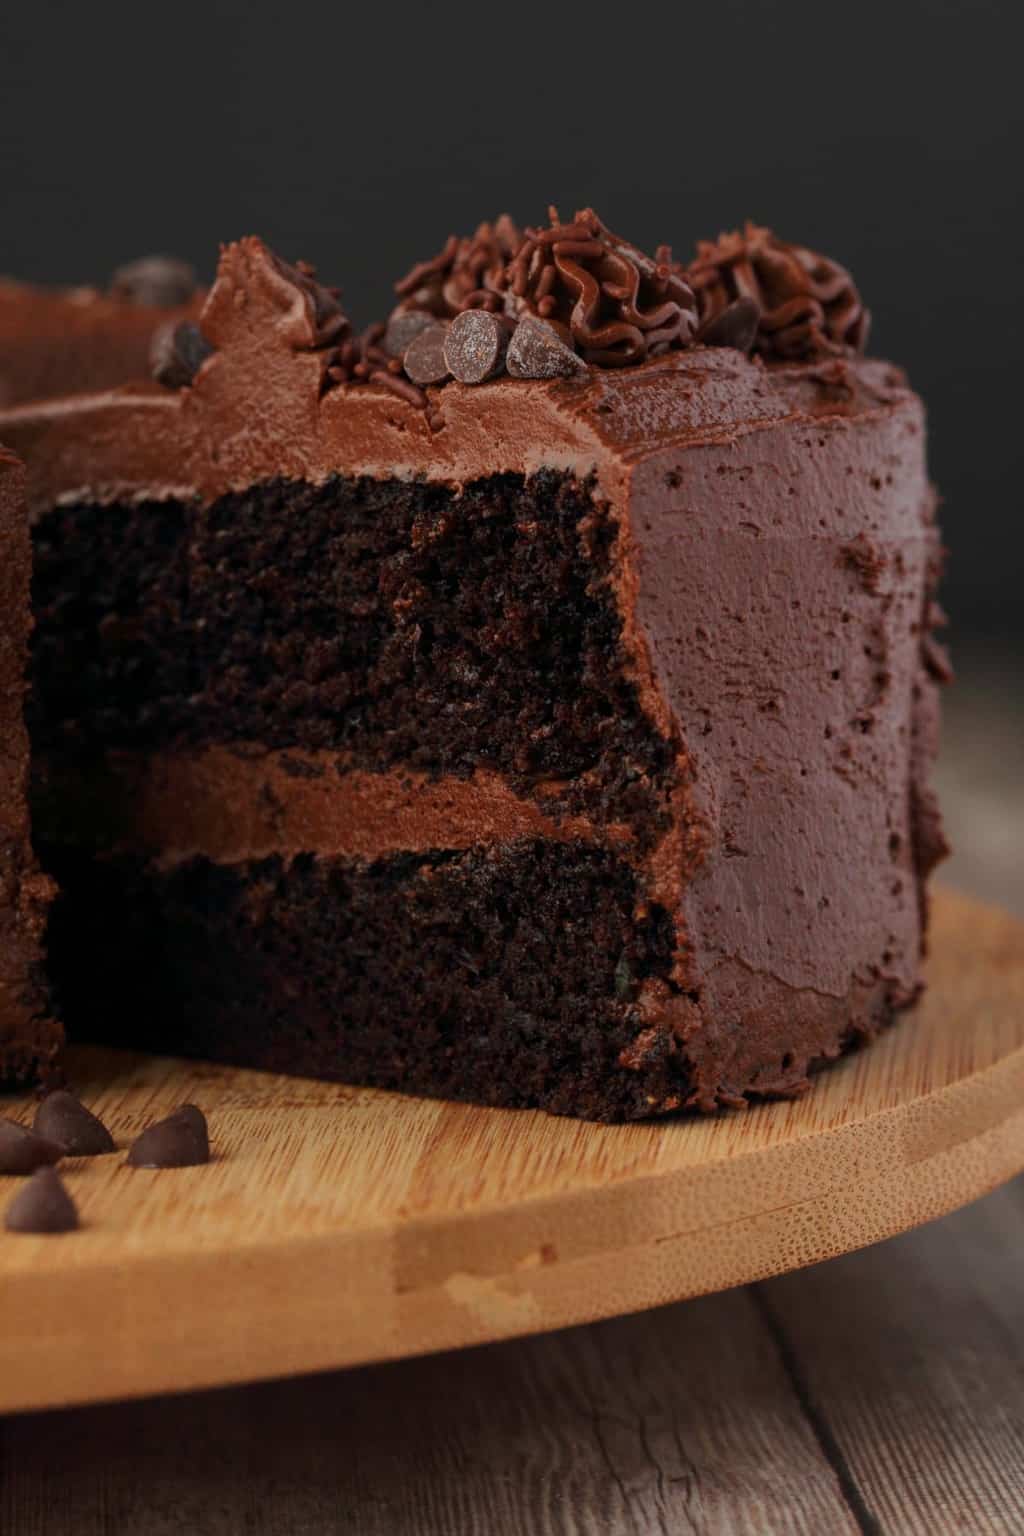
{"x": 388, "y": 623}
{"x": 552, "y": 737}
{"x": 356, "y": 626}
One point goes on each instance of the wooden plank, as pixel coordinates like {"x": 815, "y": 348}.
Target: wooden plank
{"x": 912, "y": 1355}
{"x": 338, "y": 1226}
{"x": 681, "y": 1420}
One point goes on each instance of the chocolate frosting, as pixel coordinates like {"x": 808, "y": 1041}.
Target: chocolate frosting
{"x": 776, "y": 542}
{"x": 602, "y": 296}
{"x": 809, "y": 306}
{"x": 467, "y": 273}
{"x": 62, "y": 341}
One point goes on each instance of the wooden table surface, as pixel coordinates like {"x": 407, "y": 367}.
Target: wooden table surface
{"x": 881, "y": 1392}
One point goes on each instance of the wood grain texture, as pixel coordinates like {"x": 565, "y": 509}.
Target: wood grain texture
{"x": 922, "y": 1385}
{"x": 340, "y": 1225}
{"x": 633, "y": 1426}
{"x": 882, "y": 1392}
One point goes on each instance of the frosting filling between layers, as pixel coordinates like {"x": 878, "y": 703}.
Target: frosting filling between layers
{"x": 231, "y": 804}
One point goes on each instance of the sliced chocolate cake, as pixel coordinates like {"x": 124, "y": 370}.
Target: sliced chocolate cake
{"x": 529, "y": 701}
{"x": 58, "y": 341}
{"x": 29, "y": 1037}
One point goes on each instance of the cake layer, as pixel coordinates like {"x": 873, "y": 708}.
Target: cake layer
{"x": 507, "y": 974}
{"x": 389, "y": 622}
{"x": 520, "y": 974}
{"x": 29, "y": 1036}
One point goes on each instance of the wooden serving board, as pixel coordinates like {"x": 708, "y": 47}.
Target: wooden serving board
{"x": 341, "y": 1225}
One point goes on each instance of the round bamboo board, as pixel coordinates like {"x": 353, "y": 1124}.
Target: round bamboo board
{"x": 339, "y": 1225}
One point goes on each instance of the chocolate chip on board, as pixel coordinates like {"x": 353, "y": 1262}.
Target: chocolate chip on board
{"x": 23, "y": 1150}
{"x": 42, "y": 1205}
{"x": 180, "y": 1141}
{"x": 64, "y": 1119}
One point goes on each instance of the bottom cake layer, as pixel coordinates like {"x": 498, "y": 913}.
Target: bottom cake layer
{"x": 30, "y": 1037}
{"x": 505, "y": 975}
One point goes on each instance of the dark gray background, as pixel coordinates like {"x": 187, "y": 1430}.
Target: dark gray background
{"x": 886, "y": 135}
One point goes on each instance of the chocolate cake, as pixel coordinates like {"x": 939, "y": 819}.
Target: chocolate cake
{"x": 58, "y": 341}
{"x": 529, "y": 701}
{"x": 29, "y": 1037}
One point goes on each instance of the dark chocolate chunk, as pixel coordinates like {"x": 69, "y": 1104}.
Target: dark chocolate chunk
{"x": 537, "y": 352}
{"x": 735, "y": 327}
{"x": 180, "y": 1141}
{"x": 23, "y": 1150}
{"x": 403, "y": 328}
{"x": 63, "y": 1119}
{"x": 161, "y": 281}
{"x": 42, "y": 1205}
{"x": 475, "y": 346}
{"x": 177, "y": 352}
{"x": 424, "y": 359}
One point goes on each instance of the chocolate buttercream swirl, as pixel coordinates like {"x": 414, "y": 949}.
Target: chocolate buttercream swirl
{"x": 810, "y": 307}
{"x": 469, "y": 273}
{"x": 608, "y": 300}
{"x": 320, "y": 320}
{"x": 602, "y": 296}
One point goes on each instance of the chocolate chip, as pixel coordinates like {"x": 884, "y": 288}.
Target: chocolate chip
{"x": 735, "y": 327}
{"x": 62, "y": 1119}
{"x": 160, "y": 281}
{"x": 424, "y": 359}
{"x": 403, "y": 328}
{"x": 22, "y": 1150}
{"x": 42, "y": 1205}
{"x": 475, "y": 346}
{"x": 177, "y": 352}
{"x": 180, "y": 1141}
{"x": 537, "y": 352}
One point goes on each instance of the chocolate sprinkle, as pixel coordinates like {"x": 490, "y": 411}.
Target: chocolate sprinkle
{"x": 160, "y": 281}
{"x": 475, "y": 346}
{"x": 467, "y": 274}
{"x": 616, "y": 305}
{"x": 403, "y": 328}
{"x": 536, "y": 351}
{"x": 63, "y": 1119}
{"x": 385, "y": 379}
{"x": 23, "y": 1150}
{"x": 424, "y": 359}
{"x": 42, "y": 1205}
{"x": 736, "y": 326}
{"x": 180, "y": 1141}
{"x": 177, "y": 352}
